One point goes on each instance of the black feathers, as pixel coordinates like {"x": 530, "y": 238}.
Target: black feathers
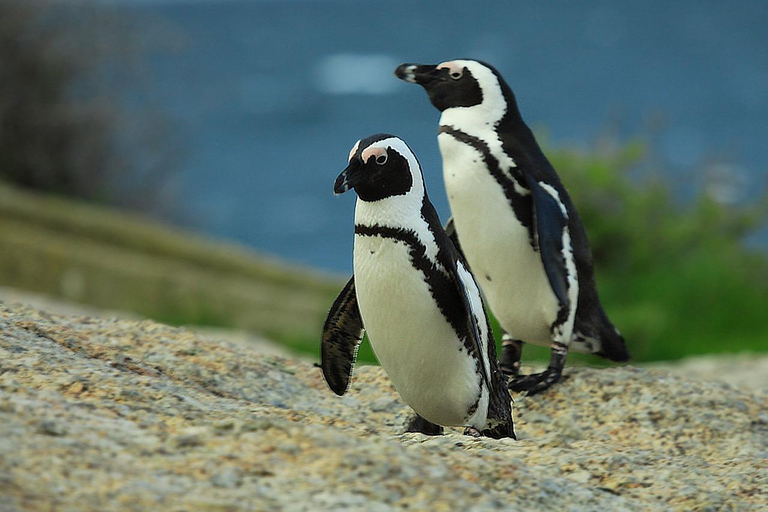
{"x": 342, "y": 334}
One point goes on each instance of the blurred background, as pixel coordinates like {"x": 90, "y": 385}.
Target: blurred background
{"x": 175, "y": 158}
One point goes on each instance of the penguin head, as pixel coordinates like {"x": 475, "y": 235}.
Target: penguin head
{"x": 381, "y": 166}
{"x": 460, "y": 83}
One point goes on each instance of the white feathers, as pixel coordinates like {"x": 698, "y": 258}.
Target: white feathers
{"x": 563, "y": 332}
{"x": 408, "y": 74}
{"x": 476, "y": 304}
{"x": 412, "y": 339}
{"x": 497, "y": 247}
{"x": 549, "y": 189}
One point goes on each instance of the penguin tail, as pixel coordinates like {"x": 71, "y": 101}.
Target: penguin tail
{"x": 601, "y": 338}
{"x": 613, "y": 347}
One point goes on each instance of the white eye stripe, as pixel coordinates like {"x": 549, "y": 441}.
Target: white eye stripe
{"x": 353, "y": 151}
{"x": 455, "y": 70}
{"x": 376, "y": 152}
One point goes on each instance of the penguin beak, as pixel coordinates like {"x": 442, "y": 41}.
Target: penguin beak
{"x": 347, "y": 179}
{"x": 417, "y": 73}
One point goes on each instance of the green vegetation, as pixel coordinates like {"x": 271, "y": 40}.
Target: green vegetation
{"x": 675, "y": 278}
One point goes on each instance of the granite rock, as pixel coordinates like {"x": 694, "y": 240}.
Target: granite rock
{"x": 109, "y": 414}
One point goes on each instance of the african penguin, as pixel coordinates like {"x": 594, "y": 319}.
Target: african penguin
{"x": 516, "y": 224}
{"x": 411, "y": 291}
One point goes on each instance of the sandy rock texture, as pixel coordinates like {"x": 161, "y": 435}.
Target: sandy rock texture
{"x": 100, "y": 414}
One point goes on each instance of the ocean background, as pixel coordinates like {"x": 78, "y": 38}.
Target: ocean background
{"x": 269, "y": 96}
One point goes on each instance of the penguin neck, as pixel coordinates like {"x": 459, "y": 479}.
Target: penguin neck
{"x": 498, "y": 112}
{"x": 476, "y": 120}
{"x": 394, "y": 211}
{"x": 399, "y": 222}
{"x": 489, "y": 112}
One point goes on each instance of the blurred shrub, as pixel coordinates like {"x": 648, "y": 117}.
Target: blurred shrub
{"x": 65, "y": 122}
{"x": 674, "y": 276}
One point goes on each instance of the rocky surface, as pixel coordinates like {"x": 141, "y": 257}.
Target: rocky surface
{"x": 100, "y": 414}
{"x": 742, "y": 370}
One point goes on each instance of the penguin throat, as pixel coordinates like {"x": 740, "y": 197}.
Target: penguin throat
{"x": 475, "y": 119}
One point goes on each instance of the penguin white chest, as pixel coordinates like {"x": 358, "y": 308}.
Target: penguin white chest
{"x": 497, "y": 246}
{"x": 412, "y": 340}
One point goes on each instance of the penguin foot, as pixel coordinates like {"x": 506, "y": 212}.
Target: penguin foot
{"x": 511, "y": 350}
{"x": 419, "y": 424}
{"x": 535, "y": 383}
{"x": 472, "y": 432}
{"x": 501, "y": 431}
{"x": 538, "y": 382}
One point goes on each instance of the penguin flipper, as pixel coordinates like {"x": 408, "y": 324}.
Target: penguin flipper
{"x": 461, "y": 278}
{"x": 550, "y": 222}
{"x": 342, "y": 334}
{"x": 460, "y": 273}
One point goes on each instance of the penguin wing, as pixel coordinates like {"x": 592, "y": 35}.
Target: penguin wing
{"x": 342, "y": 334}
{"x": 473, "y": 308}
{"x": 550, "y": 222}
{"x": 467, "y": 290}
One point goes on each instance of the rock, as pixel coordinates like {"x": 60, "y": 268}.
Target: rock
{"x": 106, "y": 414}
{"x": 228, "y": 477}
{"x": 743, "y": 370}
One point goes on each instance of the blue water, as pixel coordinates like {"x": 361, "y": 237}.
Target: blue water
{"x": 270, "y": 96}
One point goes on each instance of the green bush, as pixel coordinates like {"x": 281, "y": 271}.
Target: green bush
{"x": 674, "y": 276}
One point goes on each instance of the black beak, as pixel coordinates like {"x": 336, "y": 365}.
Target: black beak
{"x": 417, "y": 73}
{"x": 347, "y": 179}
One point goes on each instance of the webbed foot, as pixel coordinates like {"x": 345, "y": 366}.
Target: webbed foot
{"x": 538, "y": 382}
{"x": 535, "y": 383}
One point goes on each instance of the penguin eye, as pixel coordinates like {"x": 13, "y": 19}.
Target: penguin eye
{"x": 381, "y": 159}
{"x": 457, "y": 73}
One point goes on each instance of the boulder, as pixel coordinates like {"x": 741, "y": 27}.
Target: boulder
{"x": 110, "y": 414}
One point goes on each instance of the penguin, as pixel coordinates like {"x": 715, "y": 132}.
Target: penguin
{"x": 412, "y": 292}
{"x": 515, "y": 223}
